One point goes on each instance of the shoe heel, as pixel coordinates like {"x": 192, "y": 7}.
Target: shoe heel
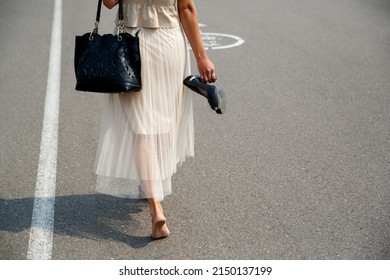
{"x": 222, "y": 102}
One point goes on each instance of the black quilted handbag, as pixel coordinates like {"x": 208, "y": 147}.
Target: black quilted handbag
{"x": 108, "y": 63}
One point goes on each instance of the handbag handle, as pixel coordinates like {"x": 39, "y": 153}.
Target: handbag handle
{"x": 121, "y": 26}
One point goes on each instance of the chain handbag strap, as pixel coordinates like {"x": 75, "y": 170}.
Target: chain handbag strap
{"x": 121, "y": 26}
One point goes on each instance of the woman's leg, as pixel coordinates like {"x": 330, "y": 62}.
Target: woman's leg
{"x": 159, "y": 226}
{"x": 147, "y": 166}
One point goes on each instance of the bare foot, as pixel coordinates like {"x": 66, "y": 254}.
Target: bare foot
{"x": 159, "y": 226}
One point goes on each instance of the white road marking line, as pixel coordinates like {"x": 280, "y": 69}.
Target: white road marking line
{"x": 42, "y": 225}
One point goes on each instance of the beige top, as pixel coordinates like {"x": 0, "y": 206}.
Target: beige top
{"x": 150, "y": 13}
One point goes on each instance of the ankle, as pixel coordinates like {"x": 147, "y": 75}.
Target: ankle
{"x": 155, "y": 207}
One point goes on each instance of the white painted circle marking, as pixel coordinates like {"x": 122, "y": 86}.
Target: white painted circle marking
{"x": 219, "y": 41}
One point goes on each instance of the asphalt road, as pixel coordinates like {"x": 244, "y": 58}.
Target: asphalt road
{"x": 298, "y": 168}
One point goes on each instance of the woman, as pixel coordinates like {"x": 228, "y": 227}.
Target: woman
{"x": 144, "y": 136}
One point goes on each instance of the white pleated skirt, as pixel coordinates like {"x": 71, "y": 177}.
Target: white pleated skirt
{"x": 146, "y": 135}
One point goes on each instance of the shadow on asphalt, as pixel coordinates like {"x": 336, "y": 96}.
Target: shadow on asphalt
{"x": 84, "y": 216}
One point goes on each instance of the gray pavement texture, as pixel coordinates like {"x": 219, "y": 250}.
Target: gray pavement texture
{"x": 298, "y": 168}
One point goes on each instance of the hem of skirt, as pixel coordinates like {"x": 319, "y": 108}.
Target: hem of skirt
{"x": 139, "y": 195}
{"x": 124, "y": 196}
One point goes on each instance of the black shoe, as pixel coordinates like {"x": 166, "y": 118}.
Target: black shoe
{"x": 214, "y": 95}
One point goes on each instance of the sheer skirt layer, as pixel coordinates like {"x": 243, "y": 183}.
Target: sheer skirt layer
{"x": 145, "y": 135}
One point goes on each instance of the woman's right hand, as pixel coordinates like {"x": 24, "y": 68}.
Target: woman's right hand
{"x": 206, "y": 70}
